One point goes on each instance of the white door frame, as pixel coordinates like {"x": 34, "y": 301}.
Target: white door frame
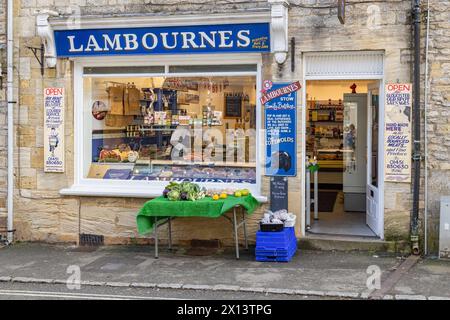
{"x": 380, "y": 218}
{"x": 368, "y": 76}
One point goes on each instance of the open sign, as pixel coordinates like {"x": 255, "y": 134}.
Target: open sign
{"x": 399, "y": 87}
{"x": 53, "y": 91}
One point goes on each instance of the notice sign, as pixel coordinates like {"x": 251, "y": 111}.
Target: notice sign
{"x": 280, "y": 108}
{"x": 54, "y": 130}
{"x": 397, "y": 142}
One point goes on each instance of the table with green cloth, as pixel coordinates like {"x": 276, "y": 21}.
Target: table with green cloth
{"x": 161, "y": 210}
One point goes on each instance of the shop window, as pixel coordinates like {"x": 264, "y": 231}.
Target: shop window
{"x": 193, "y": 128}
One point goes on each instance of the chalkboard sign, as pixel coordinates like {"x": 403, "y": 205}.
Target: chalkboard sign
{"x": 233, "y": 106}
{"x": 278, "y": 193}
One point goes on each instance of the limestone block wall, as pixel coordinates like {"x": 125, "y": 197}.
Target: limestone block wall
{"x": 42, "y": 214}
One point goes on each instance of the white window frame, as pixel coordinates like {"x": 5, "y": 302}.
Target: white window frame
{"x": 147, "y": 189}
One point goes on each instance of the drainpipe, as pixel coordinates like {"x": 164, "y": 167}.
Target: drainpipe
{"x": 425, "y": 107}
{"x": 416, "y": 117}
{"x": 10, "y": 119}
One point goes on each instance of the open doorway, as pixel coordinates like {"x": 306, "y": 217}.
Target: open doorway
{"x": 342, "y": 134}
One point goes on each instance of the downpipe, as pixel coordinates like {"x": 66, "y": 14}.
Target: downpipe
{"x": 10, "y": 119}
{"x": 415, "y": 249}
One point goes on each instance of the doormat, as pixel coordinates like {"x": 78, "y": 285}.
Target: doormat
{"x": 327, "y": 199}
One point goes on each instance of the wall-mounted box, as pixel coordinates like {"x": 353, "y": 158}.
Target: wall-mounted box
{"x": 444, "y": 232}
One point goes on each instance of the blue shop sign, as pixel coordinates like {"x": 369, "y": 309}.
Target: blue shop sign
{"x": 280, "y": 109}
{"x": 224, "y": 38}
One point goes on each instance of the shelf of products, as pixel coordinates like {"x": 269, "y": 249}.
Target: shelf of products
{"x": 325, "y": 130}
{"x": 135, "y": 140}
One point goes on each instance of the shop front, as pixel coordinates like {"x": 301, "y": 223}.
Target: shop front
{"x": 161, "y": 102}
{"x": 145, "y": 100}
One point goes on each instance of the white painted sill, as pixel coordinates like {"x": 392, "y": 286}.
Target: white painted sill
{"x": 121, "y": 192}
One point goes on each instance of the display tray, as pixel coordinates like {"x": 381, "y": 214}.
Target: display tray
{"x": 142, "y": 171}
{"x": 198, "y": 163}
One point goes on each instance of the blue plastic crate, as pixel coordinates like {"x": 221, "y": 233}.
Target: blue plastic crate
{"x": 278, "y": 258}
{"x": 278, "y": 252}
{"x": 276, "y": 246}
{"x": 275, "y": 239}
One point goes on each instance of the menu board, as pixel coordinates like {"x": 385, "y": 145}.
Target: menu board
{"x": 278, "y": 193}
{"x": 233, "y": 106}
{"x": 280, "y": 106}
{"x": 397, "y": 134}
{"x": 54, "y": 130}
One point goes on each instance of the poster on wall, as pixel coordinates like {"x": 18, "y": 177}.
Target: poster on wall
{"x": 54, "y": 130}
{"x": 397, "y": 134}
{"x": 280, "y": 110}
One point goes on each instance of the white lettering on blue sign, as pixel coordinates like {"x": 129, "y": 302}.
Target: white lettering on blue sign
{"x": 190, "y": 39}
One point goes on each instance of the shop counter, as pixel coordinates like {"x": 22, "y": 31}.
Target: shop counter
{"x": 161, "y": 210}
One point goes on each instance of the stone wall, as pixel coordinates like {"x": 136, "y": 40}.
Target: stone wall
{"x": 438, "y": 113}
{"x": 42, "y": 214}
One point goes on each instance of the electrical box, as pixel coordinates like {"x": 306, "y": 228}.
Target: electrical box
{"x": 444, "y": 232}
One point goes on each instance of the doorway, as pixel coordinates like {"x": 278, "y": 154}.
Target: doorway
{"x": 343, "y": 137}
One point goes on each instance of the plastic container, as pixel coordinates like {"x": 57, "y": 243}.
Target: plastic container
{"x": 271, "y": 227}
{"x": 276, "y": 246}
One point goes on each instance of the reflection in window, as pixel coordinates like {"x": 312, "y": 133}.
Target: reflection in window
{"x": 200, "y": 129}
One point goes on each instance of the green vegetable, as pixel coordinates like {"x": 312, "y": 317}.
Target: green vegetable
{"x": 192, "y": 190}
{"x": 173, "y": 195}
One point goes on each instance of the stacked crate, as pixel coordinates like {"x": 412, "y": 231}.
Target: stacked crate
{"x": 276, "y": 246}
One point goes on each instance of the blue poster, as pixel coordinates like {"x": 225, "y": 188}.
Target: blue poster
{"x": 280, "y": 109}
{"x": 221, "y": 38}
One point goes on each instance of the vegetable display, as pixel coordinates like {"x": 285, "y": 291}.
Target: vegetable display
{"x": 188, "y": 191}
{"x": 185, "y": 191}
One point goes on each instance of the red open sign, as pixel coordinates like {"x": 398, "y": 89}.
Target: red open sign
{"x": 399, "y": 87}
{"x": 54, "y": 91}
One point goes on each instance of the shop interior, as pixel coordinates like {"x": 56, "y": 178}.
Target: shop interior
{"x": 337, "y": 138}
{"x": 198, "y": 129}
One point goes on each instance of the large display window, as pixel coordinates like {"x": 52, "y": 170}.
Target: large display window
{"x": 145, "y": 126}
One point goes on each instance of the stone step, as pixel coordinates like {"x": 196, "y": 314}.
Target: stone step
{"x": 352, "y": 243}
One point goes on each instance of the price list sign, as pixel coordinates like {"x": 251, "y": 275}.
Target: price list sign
{"x": 397, "y": 134}
{"x": 54, "y": 130}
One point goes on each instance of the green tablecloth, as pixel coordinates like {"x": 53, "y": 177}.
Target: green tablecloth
{"x": 162, "y": 208}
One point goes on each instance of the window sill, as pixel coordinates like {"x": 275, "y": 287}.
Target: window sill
{"x": 90, "y": 191}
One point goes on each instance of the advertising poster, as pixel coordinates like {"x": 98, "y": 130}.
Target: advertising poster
{"x": 398, "y": 133}
{"x": 280, "y": 109}
{"x": 54, "y": 130}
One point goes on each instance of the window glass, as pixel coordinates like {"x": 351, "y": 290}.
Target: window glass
{"x": 200, "y": 129}
{"x": 120, "y": 70}
{"x": 350, "y": 135}
{"x": 215, "y": 68}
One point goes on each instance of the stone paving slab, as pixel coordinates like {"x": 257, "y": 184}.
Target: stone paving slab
{"x": 313, "y": 273}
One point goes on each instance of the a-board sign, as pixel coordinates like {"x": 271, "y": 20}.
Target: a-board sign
{"x": 278, "y": 193}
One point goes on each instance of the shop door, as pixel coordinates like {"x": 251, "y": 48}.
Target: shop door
{"x": 373, "y": 215}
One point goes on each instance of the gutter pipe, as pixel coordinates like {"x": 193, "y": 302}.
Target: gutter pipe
{"x": 426, "y": 131}
{"x": 416, "y": 119}
{"x": 10, "y": 119}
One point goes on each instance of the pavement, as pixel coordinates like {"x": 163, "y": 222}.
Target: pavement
{"x": 212, "y": 274}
